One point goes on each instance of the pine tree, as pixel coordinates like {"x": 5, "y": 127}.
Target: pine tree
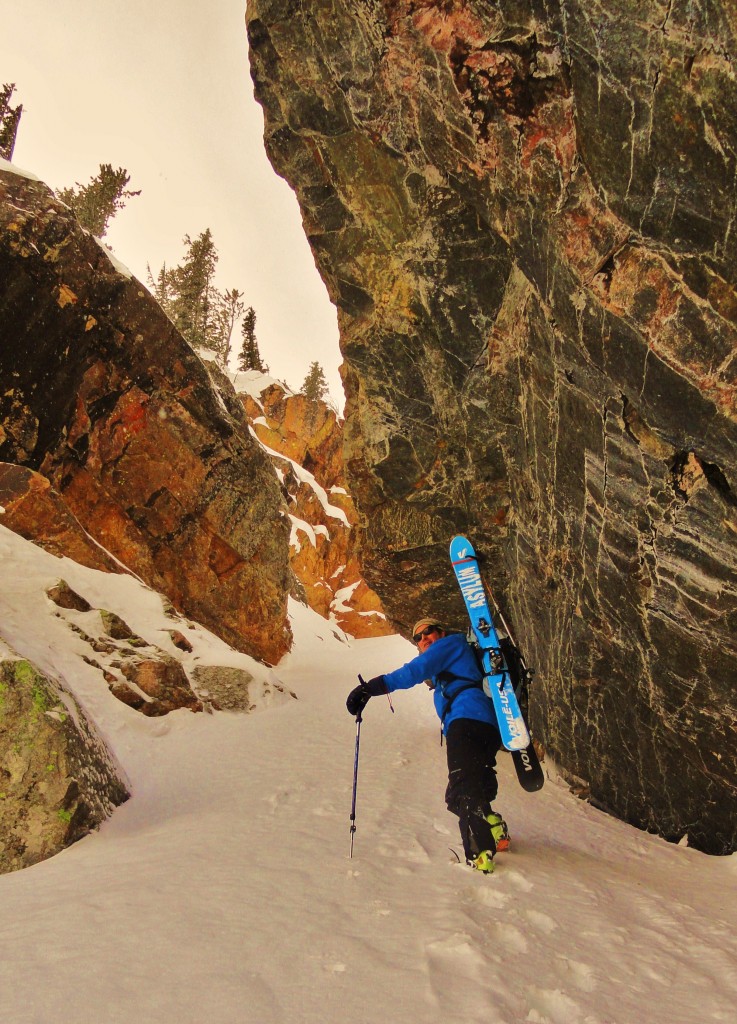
{"x": 315, "y": 386}
{"x": 95, "y": 203}
{"x": 193, "y": 296}
{"x": 230, "y": 308}
{"x": 198, "y": 309}
{"x": 161, "y": 288}
{"x": 9, "y": 121}
{"x": 250, "y": 357}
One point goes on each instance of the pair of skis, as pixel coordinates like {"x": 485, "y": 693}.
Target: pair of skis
{"x": 498, "y": 682}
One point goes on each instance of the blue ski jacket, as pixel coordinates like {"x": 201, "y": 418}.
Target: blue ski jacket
{"x": 452, "y": 669}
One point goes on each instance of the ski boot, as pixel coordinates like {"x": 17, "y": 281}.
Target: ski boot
{"x": 484, "y": 862}
{"x": 499, "y": 831}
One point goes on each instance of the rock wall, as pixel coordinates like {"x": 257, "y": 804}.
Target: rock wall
{"x": 58, "y": 780}
{"x": 103, "y": 400}
{"x": 524, "y": 212}
{"x": 34, "y": 510}
{"x": 305, "y": 442}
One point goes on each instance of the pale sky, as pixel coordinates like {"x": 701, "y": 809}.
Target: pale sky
{"x": 162, "y": 88}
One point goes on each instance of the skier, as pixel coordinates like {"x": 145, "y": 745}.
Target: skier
{"x": 449, "y": 666}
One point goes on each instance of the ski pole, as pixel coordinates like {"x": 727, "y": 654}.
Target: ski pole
{"x": 355, "y": 780}
{"x": 529, "y": 672}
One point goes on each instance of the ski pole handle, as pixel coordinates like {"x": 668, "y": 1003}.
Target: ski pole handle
{"x": 362, "y": 681}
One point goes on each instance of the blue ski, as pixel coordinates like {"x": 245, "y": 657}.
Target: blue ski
{"x": 497, "y": 680}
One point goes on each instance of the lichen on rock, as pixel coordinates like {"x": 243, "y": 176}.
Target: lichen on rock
{"x": 57, "y": 780}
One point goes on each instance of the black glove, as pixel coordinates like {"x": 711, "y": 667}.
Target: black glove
{"x": 359, "y": 697}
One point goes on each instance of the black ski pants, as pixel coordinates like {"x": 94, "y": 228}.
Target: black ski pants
{"x": 472, "y": 747}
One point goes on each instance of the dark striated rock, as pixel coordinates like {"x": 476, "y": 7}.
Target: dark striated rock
{"x": 523, "y": 212}
{"x": 57, "y": 780}
{"x": 104, "y": 399}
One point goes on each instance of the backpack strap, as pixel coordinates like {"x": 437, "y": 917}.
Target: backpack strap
{"x": 446, "y": 678}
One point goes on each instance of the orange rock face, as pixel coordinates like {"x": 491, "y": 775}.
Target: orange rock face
{"x": 106, "y": 401}
{"x": 32, "y": 508}
{"x": 306, "y": 442}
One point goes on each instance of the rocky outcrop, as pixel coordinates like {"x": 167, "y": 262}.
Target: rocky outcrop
{"x": 92, "y": 659}
{"x": 524, "y": 214}
{"x": 304, "y": 439}
{"x": 227, "y": 688}
{"x": 31, "y": 507}
{"x": 104, "y": 400}
{"x": 138, "y": 673}
{"x": 307, "y": 432}
{"x": 57, "y": 779}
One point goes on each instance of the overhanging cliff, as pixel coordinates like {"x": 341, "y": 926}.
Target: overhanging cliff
{"x": 524, "y": 213}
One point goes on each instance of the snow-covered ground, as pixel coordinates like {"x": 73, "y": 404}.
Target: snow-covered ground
{"x": 223, "y": 892}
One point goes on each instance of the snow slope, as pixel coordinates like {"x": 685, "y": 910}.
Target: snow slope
{"x": 223, "y": 892}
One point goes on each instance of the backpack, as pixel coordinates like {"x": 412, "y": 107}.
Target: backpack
{"x": 514, "y": 664}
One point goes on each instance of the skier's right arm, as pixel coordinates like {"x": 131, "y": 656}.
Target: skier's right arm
{"x": 424, "y": 666}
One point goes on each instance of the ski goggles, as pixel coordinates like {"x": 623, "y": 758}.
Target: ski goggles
{"x": 425, "y": 632}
